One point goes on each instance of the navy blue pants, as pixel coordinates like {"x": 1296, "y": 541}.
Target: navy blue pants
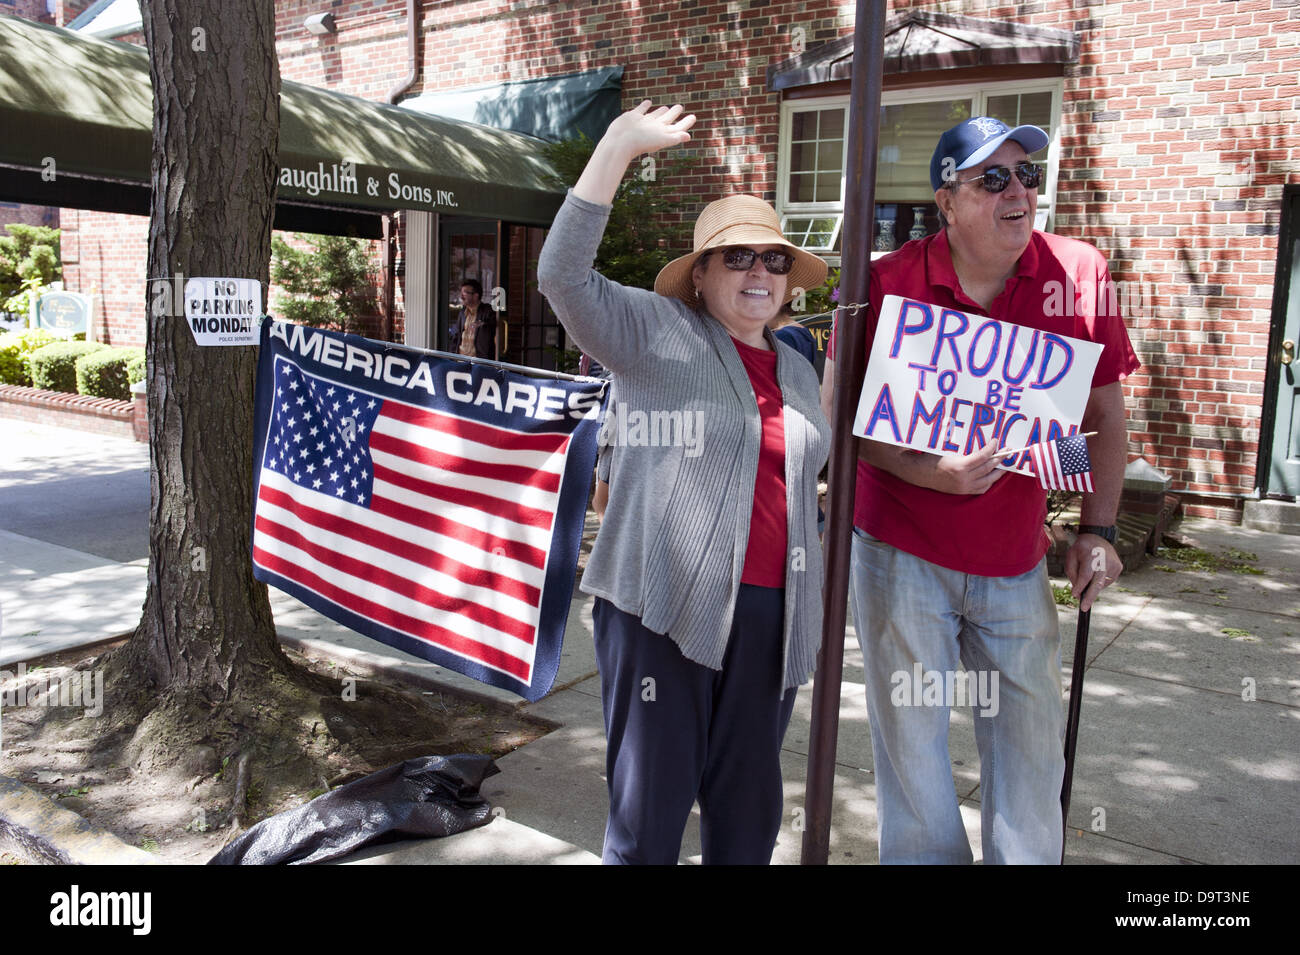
{"x": 678, "y": 731}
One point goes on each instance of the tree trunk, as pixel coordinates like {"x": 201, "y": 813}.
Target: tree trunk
{"x": 207, "y": 623}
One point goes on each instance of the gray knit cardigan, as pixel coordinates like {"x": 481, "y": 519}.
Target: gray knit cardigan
{"x": 672, "y": 544}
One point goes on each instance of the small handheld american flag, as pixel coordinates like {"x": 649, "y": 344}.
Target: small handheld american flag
{"x": 1063, "y": 464}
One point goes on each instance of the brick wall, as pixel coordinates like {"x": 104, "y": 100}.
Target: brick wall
{"x": 27, "y": 10}
{"x": 17, "y": 213}
{"x": 105, "y": 255}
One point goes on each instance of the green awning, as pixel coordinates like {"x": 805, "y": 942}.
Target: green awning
{"x": 78, "y": 119}
{"x": 551, "y": 108}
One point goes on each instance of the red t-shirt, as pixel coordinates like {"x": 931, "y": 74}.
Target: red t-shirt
{"x": 766, "y": 551}
{"x": 998, "y": 533}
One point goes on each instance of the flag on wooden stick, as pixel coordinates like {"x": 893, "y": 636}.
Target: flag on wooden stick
{"x": 431, "y": 504}
{"x": 1063, "y": 464}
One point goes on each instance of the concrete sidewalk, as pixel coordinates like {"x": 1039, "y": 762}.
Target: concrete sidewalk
{"x": 1175, "y": 763}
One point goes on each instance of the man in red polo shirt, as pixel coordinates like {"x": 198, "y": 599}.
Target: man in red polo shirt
{"x": 948, "y": 551}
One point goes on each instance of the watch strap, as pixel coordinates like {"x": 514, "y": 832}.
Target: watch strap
{"x": 1104, "y": 531}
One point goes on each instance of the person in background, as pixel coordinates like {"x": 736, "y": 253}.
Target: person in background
{"x": 475, "y": 332}
{"x": 795, "y": 335}
{"x": 707, "y": 568}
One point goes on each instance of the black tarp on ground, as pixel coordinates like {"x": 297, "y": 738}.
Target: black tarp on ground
{"x": 419, "y": 798}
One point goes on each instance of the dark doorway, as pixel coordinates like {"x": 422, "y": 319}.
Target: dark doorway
{"x": 1279, "y": 462}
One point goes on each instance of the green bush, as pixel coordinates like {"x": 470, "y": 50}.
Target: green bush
{"x": 103, "y": 373}
{"x": 15, "y": 349}
{"x": 135, "y": 366}
{"x": 54, "y": 367}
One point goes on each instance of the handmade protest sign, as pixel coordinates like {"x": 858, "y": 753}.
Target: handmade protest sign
{"x": 949, "y": 382}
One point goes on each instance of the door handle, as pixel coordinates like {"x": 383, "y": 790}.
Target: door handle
{"x": 1288, "y": 351}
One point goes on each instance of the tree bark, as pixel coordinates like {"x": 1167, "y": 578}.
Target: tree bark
{"x": 206, "y": 623}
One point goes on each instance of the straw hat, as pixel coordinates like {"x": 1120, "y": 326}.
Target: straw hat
{"x": 738, "y": 220}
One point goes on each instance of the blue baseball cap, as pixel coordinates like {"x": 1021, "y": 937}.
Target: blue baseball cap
{"x": 974, "y": 140}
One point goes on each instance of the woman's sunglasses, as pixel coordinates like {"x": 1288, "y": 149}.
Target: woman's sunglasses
{"x": 740, "y": 259}
{"x": 997, "y": 178}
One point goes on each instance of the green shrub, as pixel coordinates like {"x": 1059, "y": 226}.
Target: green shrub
{"x": 15, "y": 349}
{"x": 135, "y": 366}
{"x": 103, "y": 373}
{"x": 54, "y": 367}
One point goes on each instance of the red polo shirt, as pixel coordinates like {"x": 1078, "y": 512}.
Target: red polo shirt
{"x": 998, "y": 533}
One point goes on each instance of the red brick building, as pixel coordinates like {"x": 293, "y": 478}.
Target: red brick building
{"x": 1175, "y": 131}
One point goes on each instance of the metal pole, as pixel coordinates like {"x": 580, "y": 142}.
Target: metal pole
{"x": 1072, "y": 720}
{"x": 850, "y": 364}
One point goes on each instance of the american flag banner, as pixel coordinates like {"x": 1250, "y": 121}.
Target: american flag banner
{"x": 1063, "y": 464}
{"x": 431, "y": 504}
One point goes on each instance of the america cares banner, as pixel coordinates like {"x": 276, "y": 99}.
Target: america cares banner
{"x": 950, "y": 382}
{"x": 430, "y": 504}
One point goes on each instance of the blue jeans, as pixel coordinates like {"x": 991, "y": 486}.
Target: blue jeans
{"x": 1004, "y": 630}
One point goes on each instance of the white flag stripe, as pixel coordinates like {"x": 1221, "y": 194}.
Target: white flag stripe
{"x": 444, "y": 443}
{"x": 1040, "y": 466}
{"x": 506, "y": 491}
{"x": 457, "y": 550}
{"x": 502, "y": 642}
{"x": 539, "y": 537}
{"x": 417, "y": 574}
{"x": 439, "y": 581}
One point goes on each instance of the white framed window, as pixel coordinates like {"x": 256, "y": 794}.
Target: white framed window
{"x": 814, "y": 150}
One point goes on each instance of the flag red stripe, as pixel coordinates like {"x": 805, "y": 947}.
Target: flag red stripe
{"x": 475, "y": 431}
{"x": 398, "y": 584}
{"x": 390, "y": 618}
{"x": 495, "y": 506}
{"x": 468, "y": 467}
{"x": 403, "y": 548}
{"x": 1036, "y": 456}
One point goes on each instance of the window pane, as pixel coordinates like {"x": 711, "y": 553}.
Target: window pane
{"x": 803, "y": 126}
{"x": 1024, "y": 109}
{"x": 832, "y": 124}
{"x": 908, "y": 133}
{"x": 812, "y": 233}
{"x": 801, "y": 188}
{"x": 803, "y": 157}
{"x": 1036, "y": 110}
{"x": 830, "y": 155}
{"x": 1005, "y": 108}
{"x": 828, "y": 187}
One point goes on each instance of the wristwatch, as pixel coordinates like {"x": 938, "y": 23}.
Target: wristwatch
{"x": 1105, "y": 531}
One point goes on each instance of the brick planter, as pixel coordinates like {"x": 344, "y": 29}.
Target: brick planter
{"x": 101, "y": 415}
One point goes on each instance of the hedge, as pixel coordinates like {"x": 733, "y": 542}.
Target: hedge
{"x": 135, "y": 366}
{"x": 103, "y": 373}
{"x": 54, "y": 367}
{"x": 15, "y": 349}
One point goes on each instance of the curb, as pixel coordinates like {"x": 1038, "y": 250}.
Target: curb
{"x": 52, "y": 835}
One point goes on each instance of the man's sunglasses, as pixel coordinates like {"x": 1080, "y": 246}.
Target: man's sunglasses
{"x": 997, "y": 178}
{"x": 740, "y": 259}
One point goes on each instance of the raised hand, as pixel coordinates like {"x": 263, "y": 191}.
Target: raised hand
{"x": 639, "y": 130}
{"x": 646, "y": 129}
